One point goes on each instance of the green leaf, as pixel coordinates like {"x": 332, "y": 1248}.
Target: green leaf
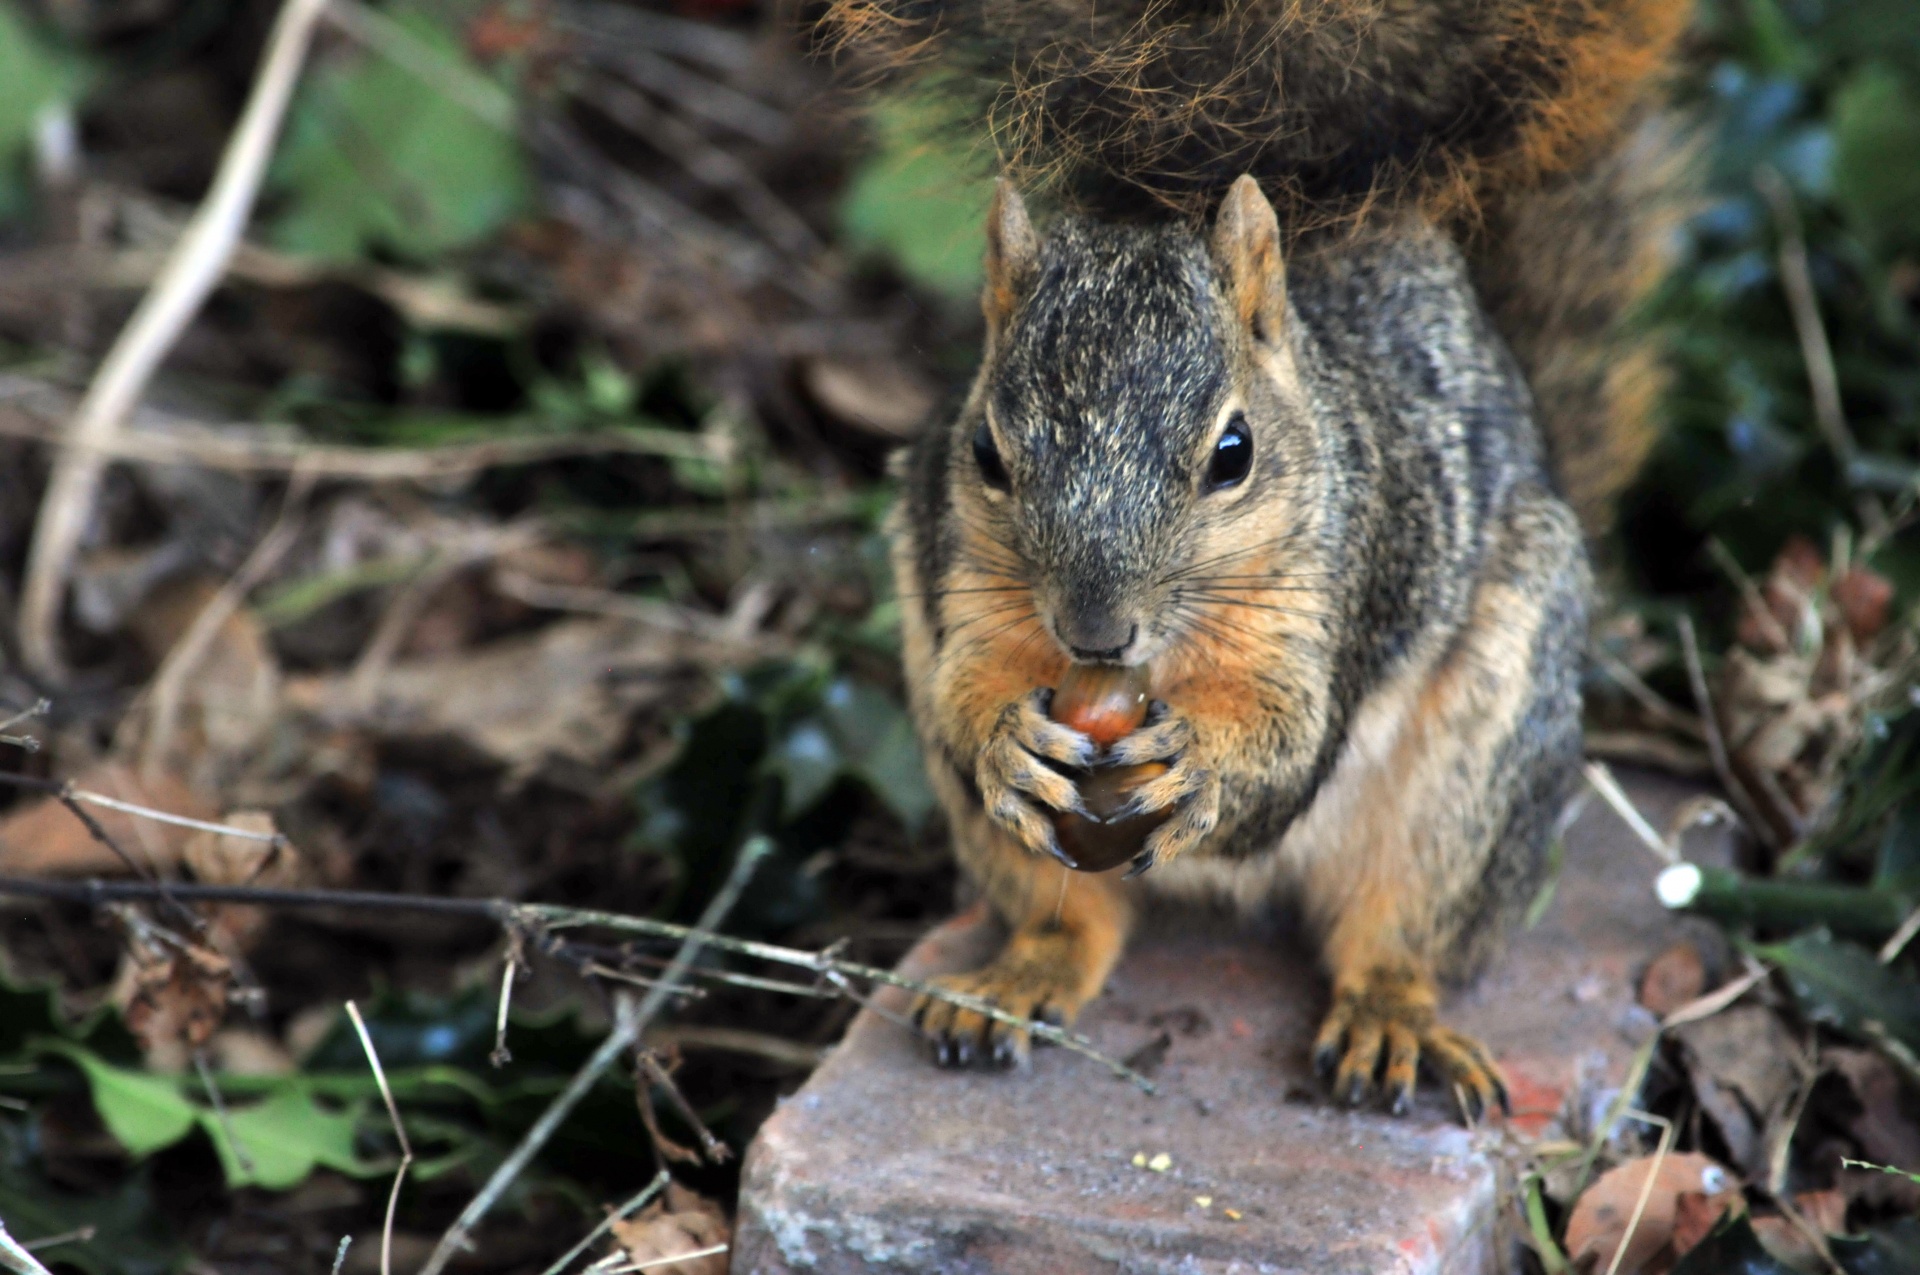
{"x": 144, "y": 1113}
{"x": 1893, "y": 1249}
{"x": 877, "y": 738}
{"x": 1843, "y": 985}
{"x": 1876, "y": 131}
{"x": 922, "y": 197}
{"x": 285, "y": 1138}
{"x": 378, "y": 157}
{"x": 33, "y": 76}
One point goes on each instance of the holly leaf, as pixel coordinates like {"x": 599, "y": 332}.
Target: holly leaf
{"x": 285, "y": 1138}
{"x": 144, "y": 1113}
{"x": 1842, "y": 985}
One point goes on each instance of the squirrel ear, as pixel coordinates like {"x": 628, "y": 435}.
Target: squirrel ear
{"x": 1013, "y": 255}
{"x": 1246, "y": 248}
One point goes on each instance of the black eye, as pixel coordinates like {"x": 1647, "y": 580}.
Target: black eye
{"x": 1232, "y": 456}
{"x": 987, "y": 456}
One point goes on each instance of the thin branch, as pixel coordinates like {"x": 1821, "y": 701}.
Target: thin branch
{"x": 629, "y": 1022}
{"x": 1653, "y": 701}
{"x": 632, "y": 1206}
{"x": 60, "y": 788}
{"x": 654, "y": 1072}
{"x": 550, "y": 915}
{"x": 195, "y": 267}
{"x": 340, "y": 1254}
{"x": 399, "y": 1131}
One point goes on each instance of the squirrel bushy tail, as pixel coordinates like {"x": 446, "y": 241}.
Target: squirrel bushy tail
{"x": 1502, "y": 119}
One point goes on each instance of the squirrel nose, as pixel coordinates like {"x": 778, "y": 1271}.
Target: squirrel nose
{"x": 1097, "y": 639}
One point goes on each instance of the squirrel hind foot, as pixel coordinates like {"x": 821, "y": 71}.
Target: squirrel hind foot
{"x": 1381, "y": 1032}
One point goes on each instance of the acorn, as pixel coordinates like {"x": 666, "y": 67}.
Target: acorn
{"x": 1106, "y": 703}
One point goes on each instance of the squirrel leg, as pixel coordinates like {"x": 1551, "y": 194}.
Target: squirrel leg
{"x": 1068, "y": 929}
{"x": 1435, "y": 827}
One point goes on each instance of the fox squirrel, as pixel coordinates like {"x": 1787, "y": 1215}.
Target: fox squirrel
{"x": 1258, "y": 413}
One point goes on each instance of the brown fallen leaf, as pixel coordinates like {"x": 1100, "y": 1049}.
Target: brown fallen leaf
{"x": 1675, "y": 977}
{"x": 1741, "y": 1063}
{"x": 1598, "y": 1224}
{"x": 677, "y": 1224}
{"x": 1695, "y": 1214}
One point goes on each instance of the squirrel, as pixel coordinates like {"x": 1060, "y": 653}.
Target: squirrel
{"x": 1258, "y": 412}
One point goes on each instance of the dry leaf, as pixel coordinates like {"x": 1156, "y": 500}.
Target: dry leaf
{"x": 679, "y": 1223}
{"x": 1741, "y": 1064}
{"x": 1695, "y": 1214}
{"x": 560, "y": 699}
{"x": 1598, "y": 1225}
{"x": 1675, "y": 977}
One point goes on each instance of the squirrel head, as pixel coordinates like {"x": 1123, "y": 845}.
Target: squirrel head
{"x": 1139, "y": 433}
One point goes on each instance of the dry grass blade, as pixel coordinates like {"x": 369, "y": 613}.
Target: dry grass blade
{"x": 1646, "y": 1188}
{"x": 197, "y": 263}
{"x": 1716, "y": 742}
{"x": 399, "y": 1132}
{"x": 1901, "y": 937}
{"x": 1615, "y": 796}
{"x": 625, "y": 1268}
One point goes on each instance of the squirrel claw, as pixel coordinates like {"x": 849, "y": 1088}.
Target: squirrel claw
{"x": 1142, "y": 864}
{"x": 1385, "y": 1026}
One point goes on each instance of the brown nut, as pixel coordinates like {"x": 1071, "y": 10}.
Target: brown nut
{"x": 1105, "y": 703}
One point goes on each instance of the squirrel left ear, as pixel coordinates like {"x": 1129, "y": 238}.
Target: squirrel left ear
{"x": 1246, "y": 248}
{"x": 1013, "y": 256}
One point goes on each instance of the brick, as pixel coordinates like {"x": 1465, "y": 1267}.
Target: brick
{"x": 882, "y": 1163}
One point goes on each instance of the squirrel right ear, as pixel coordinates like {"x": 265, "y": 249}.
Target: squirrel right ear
{"x": 1013, "y": 255}
{"x": 1246, "y": 248}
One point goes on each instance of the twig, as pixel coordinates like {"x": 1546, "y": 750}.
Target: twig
{"x": 17, "y": 1259}
{"x": 537, "y": 915}
{"x": 1610, "y": 791}
{"x": 340, "y": 1254}
{"x": 734, "y": 1040}
{"x": 399, "y": 1131}
{"x": 1815, "y": 350}
{"x": 1716, "y": 742}
{"x": 1750, "y": 595}
{"x": 1648, "y": 698}
{"x": 162, "y": 439}
{"x": 195, "y": 267}
{"x": 515, "y": 962}
{"x": 652, "y": 1071}
{"x": 629, "y": 1022}
{"x": 220, "y": 1115}
{"x": 89, "y": 798}
{"x": 78, "y": 1235}
{"x": 638, "y": 1202}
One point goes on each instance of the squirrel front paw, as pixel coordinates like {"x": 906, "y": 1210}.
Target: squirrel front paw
{"x": 1387, "y": 1024}
{"x": 1017, "y": 786}
{"x": 1040, "y": 980}
{"x": 1188, "y": 787}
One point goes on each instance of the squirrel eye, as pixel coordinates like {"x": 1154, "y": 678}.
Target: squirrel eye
{"x": 1232, "y": 456}
{"x": 987, "y": 456}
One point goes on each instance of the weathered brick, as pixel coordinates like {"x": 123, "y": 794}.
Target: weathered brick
{"x": 882, "y": 1163}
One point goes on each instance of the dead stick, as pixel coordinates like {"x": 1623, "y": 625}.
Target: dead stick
{"x": 533, "y": 916}
{"x": 197, "y": 263}
{"x": 629, "y": 1022}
